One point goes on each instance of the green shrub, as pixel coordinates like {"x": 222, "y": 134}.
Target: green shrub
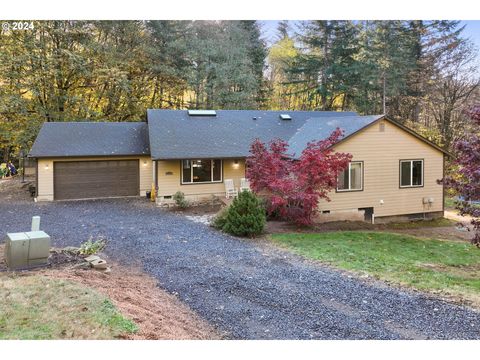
{"x": 91, "y": 246}
{"x": 180, "y": 200}
{"x": 218, "y": 221}
{"x": 3, "y": 170}
{"x": 245, "y": 216}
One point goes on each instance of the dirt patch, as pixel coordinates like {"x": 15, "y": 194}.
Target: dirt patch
{"x": 157, "y": 314}
{"x": 471, "y": 271}
{"x": 431, "y": 232}
{"x": 61, "y": 259}
{"x": 12, "y": 189}
{"x": 275, "y": 227}
{"x": 454, "y": 215}
{"x": 440, "y": 233}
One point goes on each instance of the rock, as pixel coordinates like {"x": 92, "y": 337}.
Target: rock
{"x": 70, "y": 250}
{"x": 84, "y": 265}
{"x": 99, "y": 264}
{"x": 92, "y": 258}
{"x": 106, "y": 270}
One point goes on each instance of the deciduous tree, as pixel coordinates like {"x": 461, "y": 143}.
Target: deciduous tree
{"x": 466, "y": 182}
{"x": 293, "y": 186}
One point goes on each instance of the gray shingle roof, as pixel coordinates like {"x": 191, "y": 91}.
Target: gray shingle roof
{"x": 176, "y": 135}
{"x": 318, "y": 128}
{"x": 91, "y": 139}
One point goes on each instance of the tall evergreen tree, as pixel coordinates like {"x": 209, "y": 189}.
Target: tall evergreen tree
{"x": 168, "y": 62}
{"x": 257, "y": 53}
{"x": 389, "y": 63}
{"x": 326, "y": 65}
{"x": 282, "y": 29}
{"x": 225, "y": 66}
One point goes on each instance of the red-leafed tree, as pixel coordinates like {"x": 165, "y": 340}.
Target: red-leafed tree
{"x": 466, "y": 181}
{"x": 293, "y": 186}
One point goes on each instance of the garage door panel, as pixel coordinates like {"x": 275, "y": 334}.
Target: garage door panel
{"x": 93, "y": 179}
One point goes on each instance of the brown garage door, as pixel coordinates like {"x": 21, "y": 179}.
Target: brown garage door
{"x": 93, "y": 179}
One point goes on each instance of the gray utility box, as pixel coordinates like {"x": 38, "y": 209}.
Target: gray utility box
{"x": 27, "y": 249}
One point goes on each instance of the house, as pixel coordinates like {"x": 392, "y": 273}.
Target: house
{"x": 393, "y": 173}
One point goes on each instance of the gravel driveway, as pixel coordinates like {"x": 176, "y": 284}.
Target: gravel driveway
{"x": 247, "y": 289}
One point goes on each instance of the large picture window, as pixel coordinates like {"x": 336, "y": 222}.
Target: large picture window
{"x": 201, "y": 171}
{"x": 411, "y": 173}
{"x": 351, "y": 179}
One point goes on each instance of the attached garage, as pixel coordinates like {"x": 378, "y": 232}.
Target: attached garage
{"x": 89, "y": 160}
{"x": 96, "y": 179}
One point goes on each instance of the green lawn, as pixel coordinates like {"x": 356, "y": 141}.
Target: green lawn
{"x": 37, "y": 307}
{"x": 448, "y": 266}
{"x": 449, "y": 203}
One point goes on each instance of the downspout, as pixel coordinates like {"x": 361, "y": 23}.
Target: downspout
{"x": 36, "y": 178}
{"x": 443, "y": 186}
{"x": 155, "y": 177}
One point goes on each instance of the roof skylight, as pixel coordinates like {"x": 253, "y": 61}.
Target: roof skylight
{"x": 202, "y": 113}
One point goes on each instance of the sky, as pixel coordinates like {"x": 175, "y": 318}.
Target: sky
{"x": 472, "y": 30}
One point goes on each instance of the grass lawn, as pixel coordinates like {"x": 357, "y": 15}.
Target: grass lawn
{"x": 37, "y": 307}
{"x": 433, "y": 265}
{"x": 449, "y": 203}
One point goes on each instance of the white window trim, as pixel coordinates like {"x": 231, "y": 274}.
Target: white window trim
{"x": 411, "y": 173}
{"x": 191, "y": 172}
{"x": 350, "y": 178}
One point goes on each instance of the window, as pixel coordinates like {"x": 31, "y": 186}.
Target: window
{"x": 351, "y": 179}
{"x": 201, "y": 171}
{"x": 411, "y": 173}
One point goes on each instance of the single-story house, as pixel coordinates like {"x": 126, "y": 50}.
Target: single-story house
{"x": 394, "y": 170}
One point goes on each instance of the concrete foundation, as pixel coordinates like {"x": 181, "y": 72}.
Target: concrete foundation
{"x": 341, "y": 215}
{"x": 409, "y": 217}
{"x": 359, "y": 215}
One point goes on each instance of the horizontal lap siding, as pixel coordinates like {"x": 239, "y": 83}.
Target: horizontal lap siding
{"x": 381, "y": 153}
{"x": 169, "y": 179}
{"x": 46, "y": 175}
{"x": 146, "y": 175}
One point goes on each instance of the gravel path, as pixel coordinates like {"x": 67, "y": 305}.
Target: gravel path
{"x": 248, "y": 290}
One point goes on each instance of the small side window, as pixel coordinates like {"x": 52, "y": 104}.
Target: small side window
{"x": 351, "y": 179}
{"x": 411, "y": 173}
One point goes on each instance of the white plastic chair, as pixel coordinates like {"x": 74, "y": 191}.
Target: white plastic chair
{"x": 244, "y": 184}
{"x": 230, "y": 189}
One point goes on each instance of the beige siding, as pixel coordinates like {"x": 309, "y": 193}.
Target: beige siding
{"x": 381, "y": 153}
{"x": 169, "y": 180}
{"x": 146, "y": 175}
{"x": 45, "y": 180}
{"x": 45, "y": 174}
